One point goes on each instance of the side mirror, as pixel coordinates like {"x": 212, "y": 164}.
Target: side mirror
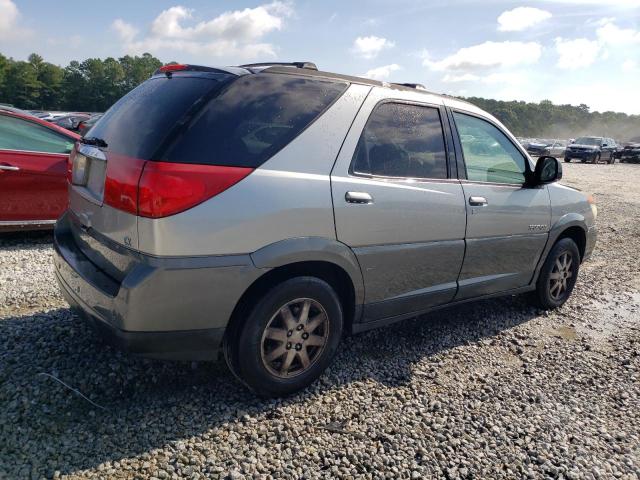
{"x": 548, "y": 170}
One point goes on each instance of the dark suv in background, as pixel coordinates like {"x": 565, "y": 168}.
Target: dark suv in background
{"x": 591, "y": 149}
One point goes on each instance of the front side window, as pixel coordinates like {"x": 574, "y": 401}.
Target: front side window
{"x": 488, "y": 154}
{"x": 18, "y": 134}
{"x": 402, "y": 140}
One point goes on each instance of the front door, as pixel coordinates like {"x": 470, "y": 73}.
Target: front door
{"x": 398, "y": 207}
{"x": 33, "y": 164}
{"x": 507, "y": 222}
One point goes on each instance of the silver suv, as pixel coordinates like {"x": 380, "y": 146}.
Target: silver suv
{"x": 265, "y": 211}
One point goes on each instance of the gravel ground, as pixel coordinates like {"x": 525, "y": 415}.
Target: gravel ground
{"x": 494, "y": 389}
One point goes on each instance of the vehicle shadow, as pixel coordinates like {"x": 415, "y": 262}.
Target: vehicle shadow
{"x": 26, "y": 239}
{"x": 149, "y": 404}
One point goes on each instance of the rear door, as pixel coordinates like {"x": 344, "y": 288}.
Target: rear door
{"x": 33, "y": 166}
{"x": 507, "y": 222}
{"x": 397, "y": 204}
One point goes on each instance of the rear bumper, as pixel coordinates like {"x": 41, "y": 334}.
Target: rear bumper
{"x": 175, "y": 308}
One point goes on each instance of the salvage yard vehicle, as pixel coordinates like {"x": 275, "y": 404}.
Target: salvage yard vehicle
{"x": 71, "y": 121}
{"x": 591, "y": 149}
{"x": 630, "y": 153}
{"x": 264, "y": 211}
{"x": 33, "y": 171}
{"x": 551, "y": 148}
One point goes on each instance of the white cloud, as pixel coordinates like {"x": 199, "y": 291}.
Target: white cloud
{"x": 611, "y": 34}
{"x": 488, "y": 55}
{"x": 576, "y": 53}
{"x": 521, "y": 18}
{"x": 125, "y": 31}
{"x": 382, "y": 73}
{"x": 10, "y": 29}
{"x": 465, "y": 77}
{"x": 630, "y": 66}
{"x": 8, "y": 17}
{"x": 234, "y": 33}
{"x": 511, "y": 78}
{"x": 370, "y": 47}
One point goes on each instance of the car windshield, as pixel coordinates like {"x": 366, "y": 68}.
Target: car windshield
{"x": 588, "y": 141}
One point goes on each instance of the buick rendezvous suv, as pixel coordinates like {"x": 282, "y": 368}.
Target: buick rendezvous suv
{"x": 262, "y": 212}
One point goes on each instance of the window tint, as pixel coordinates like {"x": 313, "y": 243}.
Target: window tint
{"x": 402, "y": 140}
{"x": 18, "y": 134}
{"x": 488, "y": 154}
{"x": 252, "y": 119}
{"x": 138, "y": 123}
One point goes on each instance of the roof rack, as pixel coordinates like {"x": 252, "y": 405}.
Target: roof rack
{"x": 307, "y": 65}
{"x": 417, "y": 86}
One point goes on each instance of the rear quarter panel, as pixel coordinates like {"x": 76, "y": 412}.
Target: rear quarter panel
{"x": 288, "y": 196}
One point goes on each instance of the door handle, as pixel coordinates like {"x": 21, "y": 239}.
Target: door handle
{"x": 9, "y": 168}
{"x": 358, "y": 197}
{"x": 478, "y": 201}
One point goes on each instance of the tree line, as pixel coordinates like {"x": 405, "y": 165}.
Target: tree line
{"x": 89, "y": 86}
{"x": 94, "y": 84}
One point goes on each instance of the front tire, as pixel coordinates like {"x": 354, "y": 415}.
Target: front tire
{"x": 288, "y": 339}
{"x": 558, "y": 275}
{"x": 567, "y": 160}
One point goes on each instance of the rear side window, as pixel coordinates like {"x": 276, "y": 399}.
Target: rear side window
{"x": 402, "y": 140}
{"x": 18, "y": 134}
{"x": 252, "y": 119}
{"x": 137, "y": 125}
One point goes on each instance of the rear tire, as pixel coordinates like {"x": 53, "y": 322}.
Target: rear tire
{"x": 558, "y": 275}
{"x": 288, "y": 339}
{"x": 567, "y": 160}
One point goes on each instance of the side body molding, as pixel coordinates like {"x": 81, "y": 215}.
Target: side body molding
{"x": 312, "y": 249}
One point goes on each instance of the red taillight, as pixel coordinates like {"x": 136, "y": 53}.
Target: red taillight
{"x": 121, "y": 182}
{"x": 169, "y": 188}
{"x": 173, "y": 68}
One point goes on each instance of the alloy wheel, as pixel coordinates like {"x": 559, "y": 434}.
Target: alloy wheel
{"x": 294, "y": 338}
{"x": 560, "y": 276}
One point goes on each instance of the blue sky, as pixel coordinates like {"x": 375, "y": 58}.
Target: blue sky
{"x": 568, "y": 51}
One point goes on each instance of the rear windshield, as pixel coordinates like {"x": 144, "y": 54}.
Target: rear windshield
{"x": 251, "y": 119}
{"x": 139, "y": 122}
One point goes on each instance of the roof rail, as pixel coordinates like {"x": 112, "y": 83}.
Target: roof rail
{"x": 308, "y": 65}
{"x": 417, "y": 86}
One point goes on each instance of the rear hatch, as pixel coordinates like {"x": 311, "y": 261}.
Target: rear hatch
{"x": 107, "y": 164}
{"x": 178, "y": 140}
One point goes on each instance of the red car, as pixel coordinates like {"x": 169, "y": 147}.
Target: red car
{"x": 33, "y": 171}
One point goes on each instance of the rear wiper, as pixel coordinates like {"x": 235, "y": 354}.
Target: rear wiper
{"x": 98, "y": 142}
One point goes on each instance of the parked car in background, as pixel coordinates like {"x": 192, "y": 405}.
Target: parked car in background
{"x": 203, "y": 231}
{"x": 591, "y": 149}
{"x": 85, "y": 125}
{"x": 548, "y": 147}
{"x": 71, "y": 121}
{"x": 630, "y": 153}
{"x": 9, "y": 108}
{"x": 33, "y": 171}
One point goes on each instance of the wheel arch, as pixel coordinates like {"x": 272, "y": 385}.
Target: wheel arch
{"x": 571, "y": 225}
{"x": 329, "y": 260}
